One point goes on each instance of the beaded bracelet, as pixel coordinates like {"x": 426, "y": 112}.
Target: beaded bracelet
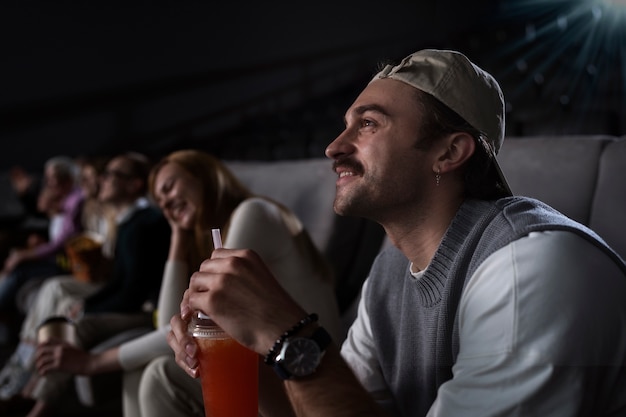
{"x": 269, "y": 358}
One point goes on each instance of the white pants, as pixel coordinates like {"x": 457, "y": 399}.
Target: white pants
{"x": 54, "y": 298}
{"x": 165, "y": 390}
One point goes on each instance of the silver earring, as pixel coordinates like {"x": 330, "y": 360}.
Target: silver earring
{"x": 438, "y": 177}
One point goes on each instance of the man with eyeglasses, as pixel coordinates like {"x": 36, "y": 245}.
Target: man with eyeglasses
{"x": 142, "y": 238}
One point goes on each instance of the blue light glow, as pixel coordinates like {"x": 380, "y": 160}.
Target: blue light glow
{"x": 568, "y": 54}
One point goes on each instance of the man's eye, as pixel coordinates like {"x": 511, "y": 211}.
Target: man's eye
{"x": 367, "y": 123}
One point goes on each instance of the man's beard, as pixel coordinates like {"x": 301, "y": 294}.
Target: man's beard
{"x": 348, "y": 205}
{"x": 370, "y": 197}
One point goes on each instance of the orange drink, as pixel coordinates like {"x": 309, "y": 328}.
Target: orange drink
{"x": 228, "y": 373}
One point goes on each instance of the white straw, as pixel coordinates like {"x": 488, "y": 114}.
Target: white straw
{"x": 217, "y": 243}
{"x": 217, "y": 238}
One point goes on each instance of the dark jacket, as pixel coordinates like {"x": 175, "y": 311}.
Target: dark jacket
{"x": 141, "y": 250}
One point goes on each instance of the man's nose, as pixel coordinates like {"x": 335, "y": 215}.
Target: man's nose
{"x": 341, "y": 146}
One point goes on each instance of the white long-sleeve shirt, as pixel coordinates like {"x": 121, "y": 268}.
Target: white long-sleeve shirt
{"x": 537, "y": 320}
{"x": 256, "y": 224}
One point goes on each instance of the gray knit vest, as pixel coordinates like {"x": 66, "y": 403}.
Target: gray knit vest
{"x": 414, "y": 321}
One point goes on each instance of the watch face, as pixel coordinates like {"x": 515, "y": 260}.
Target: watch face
{"x": 301, "y": 356}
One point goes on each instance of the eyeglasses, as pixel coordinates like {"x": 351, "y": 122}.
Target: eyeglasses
{"x": 113, "y": 173}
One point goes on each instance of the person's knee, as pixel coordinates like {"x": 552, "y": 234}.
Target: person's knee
{"x": 48, "y": 288}
{"x": 165, "y": 388}
{"x": 53, "y": 287}
{"x": 154, "y": 368}
{"x": 152, "y": 380}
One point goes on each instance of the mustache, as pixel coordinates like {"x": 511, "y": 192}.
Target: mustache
{"x": 348, "y": 163}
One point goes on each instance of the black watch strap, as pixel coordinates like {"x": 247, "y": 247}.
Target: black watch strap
{"x": 269, "y": 358}
{"x": 320, "y": 336}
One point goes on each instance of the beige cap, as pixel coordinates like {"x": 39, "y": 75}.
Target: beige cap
{"x": 462, "y": 86}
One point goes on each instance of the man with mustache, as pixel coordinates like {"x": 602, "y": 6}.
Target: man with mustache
{"x": 486, "y": 304}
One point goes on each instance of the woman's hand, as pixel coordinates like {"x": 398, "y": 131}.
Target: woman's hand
{"x": 181, "y": 241}
{"x": 56, "y": 355}
{"x": 182, "y": 343}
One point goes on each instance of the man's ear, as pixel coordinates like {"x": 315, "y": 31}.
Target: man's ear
{"x": 459, "y": 147}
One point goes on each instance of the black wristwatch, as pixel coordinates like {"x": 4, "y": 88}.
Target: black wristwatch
{"x": 300, "y": 356}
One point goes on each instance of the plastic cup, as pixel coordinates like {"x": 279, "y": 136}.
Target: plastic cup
{"x": 228, "y": 372}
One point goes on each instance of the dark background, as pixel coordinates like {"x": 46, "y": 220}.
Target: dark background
{"x": 271, "y": 80}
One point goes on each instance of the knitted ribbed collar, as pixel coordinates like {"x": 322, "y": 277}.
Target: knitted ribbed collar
{"x": 465, "y": 228}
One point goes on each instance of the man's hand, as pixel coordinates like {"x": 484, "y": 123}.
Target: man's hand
{"x": 237, "y": 290}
